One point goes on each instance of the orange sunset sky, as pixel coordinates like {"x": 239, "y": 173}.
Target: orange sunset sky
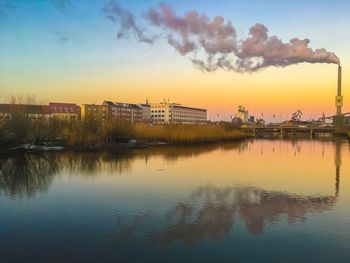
{"x": 71, "y": 54}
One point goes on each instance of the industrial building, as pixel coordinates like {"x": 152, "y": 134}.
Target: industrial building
{"x": 242, "y": 114}
{"x": 166, "y": 112}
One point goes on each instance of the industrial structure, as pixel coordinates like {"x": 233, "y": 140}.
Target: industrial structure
{"x": 242, "y": 114}
{"x": 167, "y": 113}
{"x": 339, "y": 118}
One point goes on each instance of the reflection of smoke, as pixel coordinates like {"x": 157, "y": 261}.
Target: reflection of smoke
{"x": 212, "y": 43}
{"x": 211, "y": 212}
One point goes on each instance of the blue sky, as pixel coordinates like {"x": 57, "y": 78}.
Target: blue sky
{"x": 48, "y": 49}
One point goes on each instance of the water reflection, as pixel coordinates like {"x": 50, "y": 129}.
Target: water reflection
{"x": 118, "y": 204}
{"x": 211, "y": 212}
{"x": 25, "y": 174}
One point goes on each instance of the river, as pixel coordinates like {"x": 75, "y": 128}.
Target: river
{"x": 252, "y": 201}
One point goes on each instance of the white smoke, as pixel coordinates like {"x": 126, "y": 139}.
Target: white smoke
{"x": 212, "y": 44}
{"x": 126, "y": 21}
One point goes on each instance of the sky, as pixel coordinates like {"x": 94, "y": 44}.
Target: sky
{"x": 68, "y": 51}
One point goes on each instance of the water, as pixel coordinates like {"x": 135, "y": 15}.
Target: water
{"x": 254, "y": 201}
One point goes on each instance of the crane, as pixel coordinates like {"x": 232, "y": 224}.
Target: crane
{"x": 296, "y": 116}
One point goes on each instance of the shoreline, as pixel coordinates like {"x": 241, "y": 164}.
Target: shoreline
{"x": 143, "y": 144}
{"x": 113, "y": 147}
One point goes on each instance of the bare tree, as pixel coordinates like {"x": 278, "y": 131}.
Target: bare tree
{"x": 20, "y": 99}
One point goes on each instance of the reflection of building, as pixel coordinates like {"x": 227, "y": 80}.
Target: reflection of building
{"x": 65, "y": 111}
{"x": 165, "y": 113}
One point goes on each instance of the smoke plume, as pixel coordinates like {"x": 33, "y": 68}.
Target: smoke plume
{"x": 126, "y": 21}
{"x": 212, "y": 44}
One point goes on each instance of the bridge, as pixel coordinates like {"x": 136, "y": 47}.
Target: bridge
{"x": 290, "y": 130}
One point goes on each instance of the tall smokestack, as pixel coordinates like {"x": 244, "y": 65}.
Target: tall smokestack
{"x": 339, "y": 98}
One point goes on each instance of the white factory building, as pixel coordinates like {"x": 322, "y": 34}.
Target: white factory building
{"x": 166, "y": 113}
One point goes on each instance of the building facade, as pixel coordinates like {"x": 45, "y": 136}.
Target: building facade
{"x": 123, "y": 111}
{"x": 166, "y": 113}
{"x": 5, "y": 113}
{"x": 65, "y": 111}
{"x": 94, "y": 112}
{"x": 32, "y": 112}
{"x": 146, "y": 112}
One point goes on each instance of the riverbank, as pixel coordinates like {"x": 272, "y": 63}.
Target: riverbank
{"x": 112, "y": 136}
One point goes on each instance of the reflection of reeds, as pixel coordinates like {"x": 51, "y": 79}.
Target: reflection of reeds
{"x": 175, "y": 152}
{"x": 187, "y": 133}
{"x": 26, "y": 174}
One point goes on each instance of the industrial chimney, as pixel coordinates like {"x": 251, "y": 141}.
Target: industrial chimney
{"x": 339, "y": 97}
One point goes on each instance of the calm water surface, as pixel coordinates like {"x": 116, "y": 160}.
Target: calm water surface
{"x": 255, "y": 201}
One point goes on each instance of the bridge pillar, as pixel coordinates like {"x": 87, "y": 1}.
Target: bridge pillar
{"x": 312, "y": 133}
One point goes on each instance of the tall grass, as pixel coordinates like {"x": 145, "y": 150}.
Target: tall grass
{"x": 20, "y": 129}
{"x": 187, "y": 134}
